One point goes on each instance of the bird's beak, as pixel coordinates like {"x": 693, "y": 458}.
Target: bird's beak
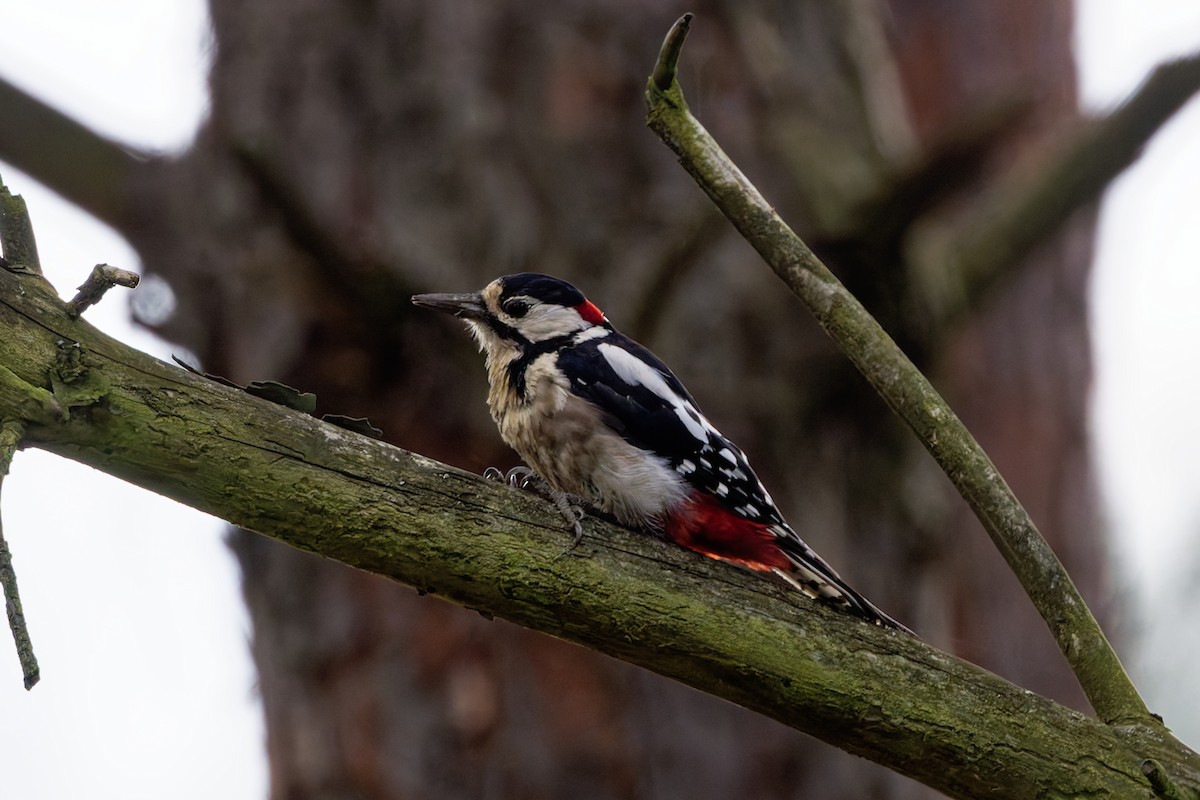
{"x": 465, "y": 306}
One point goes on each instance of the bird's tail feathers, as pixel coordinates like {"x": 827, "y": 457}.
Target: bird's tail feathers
{"x": 812, "y": 576}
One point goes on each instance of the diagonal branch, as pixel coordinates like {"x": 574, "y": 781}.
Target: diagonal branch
{"x": 1005, "y": 229}
{"x": 264, "y": 467}
{"x": 903, "y": 387}
{"x": 78, "y": 163}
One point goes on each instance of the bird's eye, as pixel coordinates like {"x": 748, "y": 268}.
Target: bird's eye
{"x": 516, "y": 307}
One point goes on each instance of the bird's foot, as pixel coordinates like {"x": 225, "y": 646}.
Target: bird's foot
{"x": 568, "y": 505}
{"x": 573, "y": 513}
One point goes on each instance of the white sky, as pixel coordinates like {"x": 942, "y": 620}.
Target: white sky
{"x": 133, "y": 602}
{"x": 1146, "y": 325}
{"x": 1146, "y": 275}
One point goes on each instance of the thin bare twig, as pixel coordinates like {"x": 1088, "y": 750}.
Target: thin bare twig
{"x": 10, "y": 436}
{"x": 102, "y": 278}
{"x": 903, "y": 387}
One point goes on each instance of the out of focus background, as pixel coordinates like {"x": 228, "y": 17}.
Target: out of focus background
{"x": 317, "y": 163}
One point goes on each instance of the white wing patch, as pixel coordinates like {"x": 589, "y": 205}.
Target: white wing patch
{"x": 633, "y": 370}
{"x": 733, "y": 481}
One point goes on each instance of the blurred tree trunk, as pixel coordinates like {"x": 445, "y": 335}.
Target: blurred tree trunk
{"x": 358, "y": 152}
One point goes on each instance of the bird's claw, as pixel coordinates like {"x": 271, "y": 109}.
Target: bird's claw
{"x": 518, "y": 477}
{"x": 571, "y": 509}
{"x": 573, "y": 514}
{"x": 523, "y": 477}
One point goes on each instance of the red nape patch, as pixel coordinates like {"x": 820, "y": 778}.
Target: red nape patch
{"x": 588, "y": 310}
{"x": 704, "y": 525}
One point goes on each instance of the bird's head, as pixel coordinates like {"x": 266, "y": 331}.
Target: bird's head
{"x": 517, "y": 311}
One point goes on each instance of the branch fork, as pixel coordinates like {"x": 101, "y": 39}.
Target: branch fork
{"x": 902, "y": 386}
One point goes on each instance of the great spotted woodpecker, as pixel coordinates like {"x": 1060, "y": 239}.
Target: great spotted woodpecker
{"x": 598, "y": 416}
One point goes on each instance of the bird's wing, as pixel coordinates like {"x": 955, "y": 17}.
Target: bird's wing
{"x": 645, "y": 403}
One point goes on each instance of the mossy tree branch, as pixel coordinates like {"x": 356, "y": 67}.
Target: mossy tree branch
{"x": 903, "y": 387}
{"x": 879, "y": 694}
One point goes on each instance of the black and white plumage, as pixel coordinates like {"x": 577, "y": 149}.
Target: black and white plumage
{"x": 598, "y": 416}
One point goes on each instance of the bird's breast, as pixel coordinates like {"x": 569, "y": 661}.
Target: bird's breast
{"x": 565, "y": 439}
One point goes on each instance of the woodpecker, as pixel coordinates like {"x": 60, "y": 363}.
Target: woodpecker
{"x": 598, "y": 416}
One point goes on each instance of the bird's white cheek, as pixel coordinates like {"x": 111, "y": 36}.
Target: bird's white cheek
{"x": 545, "y": 322}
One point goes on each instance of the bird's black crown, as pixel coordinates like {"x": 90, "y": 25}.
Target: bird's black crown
{"x": 541, "y": 287}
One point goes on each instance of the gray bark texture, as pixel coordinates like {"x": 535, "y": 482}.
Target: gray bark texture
{"x": 358, "y": 152}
